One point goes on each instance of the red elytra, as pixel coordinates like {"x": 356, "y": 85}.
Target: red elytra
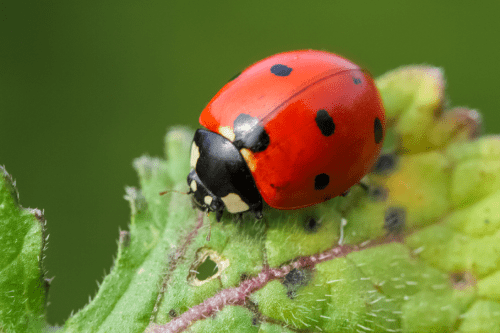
{"x": 324, "y": 120}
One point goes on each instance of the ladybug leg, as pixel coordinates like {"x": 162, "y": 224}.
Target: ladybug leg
{"x": 239, "y": 217}
{"x": 345, "y": 193}
{"x": 258, "y": 214}
{"x": 218, "y": 215}
{"x": 193, "y": 203}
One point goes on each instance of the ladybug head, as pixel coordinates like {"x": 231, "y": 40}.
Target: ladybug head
{"x": 220, "y": 177}
{"x": 202, "y": 198}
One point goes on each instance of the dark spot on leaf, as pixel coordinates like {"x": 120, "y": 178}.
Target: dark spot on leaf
{"x": 311, "y": 224}
{"x": 255, "y": 321}
{"x": 395, "y": 219}
{"x": 295, "y": 277}
{"x": 462, "y": 280}
{"x": 378, "y": 193}
{"x": 386, "y": 163}
{"x": 294, "y": 280}
{"x": 253, "y": 307}
{"x": 243, "y": 277}
{"x": 207, "y": 269}
{"x": 172, "y": 313}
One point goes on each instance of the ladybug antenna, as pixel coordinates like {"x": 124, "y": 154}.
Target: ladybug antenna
{"x": 209, "y": 228}
{"x": 168, "y": 191}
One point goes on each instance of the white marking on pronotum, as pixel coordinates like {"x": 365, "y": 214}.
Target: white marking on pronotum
{"x": 208, "y": 200}
{"x": 195, "y": 155}
{"x": 234, "y": 204}
{"x": 194, "y": 186}
{"x": 227, "y": 132}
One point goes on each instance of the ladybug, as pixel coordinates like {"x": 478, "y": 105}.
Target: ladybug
{"x": 293, "y": 130}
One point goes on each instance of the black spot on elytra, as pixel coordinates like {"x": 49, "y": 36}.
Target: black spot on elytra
{"x": 356, "y": 80}
{"x": 395, "y": 219}
{"x": 386, "y": 163}
{"x": 249, "y": 133}
{"x": 234, "y": 77}
{"x": 281, "y": 70}
{"x": 378, "y": 130}
{"x": 325, "y": 123}
{"x": 321, "y": 181}
{"x": 311, "y": 224}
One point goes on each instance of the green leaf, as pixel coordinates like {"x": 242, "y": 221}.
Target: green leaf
{"x": 416, "y": 252}
{"x": 22, "y": 241}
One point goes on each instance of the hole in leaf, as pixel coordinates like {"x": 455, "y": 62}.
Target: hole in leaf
{"x": 208, "y": 265}
{"x": 208, "y": 268}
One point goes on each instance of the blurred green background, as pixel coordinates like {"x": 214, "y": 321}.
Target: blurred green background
{"x": 87, "y": 86}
